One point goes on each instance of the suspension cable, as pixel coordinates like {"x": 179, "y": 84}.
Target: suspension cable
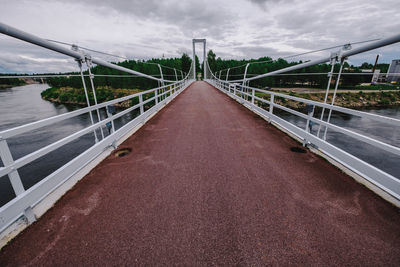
{"x": 107, "y": 54}
{"x": 304, "y": 53}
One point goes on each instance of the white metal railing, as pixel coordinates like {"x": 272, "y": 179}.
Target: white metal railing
{"x": 385, "y": 181}
{"x": 154, "y": 98}
{"x": 255, "y": 99}
{"x": 28, "y": 198}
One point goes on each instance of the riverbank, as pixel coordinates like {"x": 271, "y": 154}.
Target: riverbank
{"x": 73, "y": 96}
{"x": 349, "y": 99}
{"x": 7, "y": 83}
{"x": 8, "y": 86}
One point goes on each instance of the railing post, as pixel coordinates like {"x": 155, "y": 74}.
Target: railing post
{"x": 334, "y": 95}
{"x": 253, "y": 92}
{"x": 156, "y": 95}
{"x": 176, "y": 75}
{"x": 271, "y": 104}
{"x": 141, "y": 104}
{"x": 310, "y": 114}
{"x": 109, "y": 115}
{"x": 89, "y": 65}
{"x": 87, "y": 100}
{"x": 8, "y": 160}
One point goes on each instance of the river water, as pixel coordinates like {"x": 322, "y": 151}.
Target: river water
{"x": 21, "y": 105}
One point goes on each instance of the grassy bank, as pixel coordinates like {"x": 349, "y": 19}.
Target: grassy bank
{"x": 69, "y": 95}
{"x": 355, "y": 100}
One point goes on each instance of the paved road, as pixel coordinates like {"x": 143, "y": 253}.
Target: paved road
{"x": 210, "y": 183}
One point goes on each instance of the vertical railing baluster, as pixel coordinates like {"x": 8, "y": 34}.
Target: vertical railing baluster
{"x": 271, "y": 104}
{"x": 141, "y": 104}
{"x": 310, "y": 115}
{"x": 109, "y": 115}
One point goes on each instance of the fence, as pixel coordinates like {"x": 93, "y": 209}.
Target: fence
{"x": 107, "y": 136}
{"x": 264, "y": 103}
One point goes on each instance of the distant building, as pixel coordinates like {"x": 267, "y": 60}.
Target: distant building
{"x": 394, "y": 68}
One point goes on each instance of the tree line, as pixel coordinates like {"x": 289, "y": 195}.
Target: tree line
{"x": 10, "y": 81}
{"x": 149, "y": 67}
{"x": 267, "y": 64}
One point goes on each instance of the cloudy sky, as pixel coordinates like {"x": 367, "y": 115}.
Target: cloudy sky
{"x": 142, "y": 29}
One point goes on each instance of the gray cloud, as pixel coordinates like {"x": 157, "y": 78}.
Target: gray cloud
{"x": 234, "y": 29}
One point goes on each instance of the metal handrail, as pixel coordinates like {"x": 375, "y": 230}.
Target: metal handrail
{"x": 48, "y": 121}
{"x": 245, "y": 94}
{"x": 38, "y": 124}
{"x": 30, "y": 38}
{"x": 25, "y": 200}
{"x": 28, "y": 198}
{"x": 369, "y": 172}
{"x": 342, "y": 54}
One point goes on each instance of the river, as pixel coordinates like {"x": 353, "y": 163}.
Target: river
{"x": 21, "y": 105}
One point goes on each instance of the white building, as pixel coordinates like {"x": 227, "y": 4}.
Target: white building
{"x": 393, "y": 74}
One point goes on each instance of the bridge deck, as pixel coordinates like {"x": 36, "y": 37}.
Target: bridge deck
{"x": 207, "y": 183}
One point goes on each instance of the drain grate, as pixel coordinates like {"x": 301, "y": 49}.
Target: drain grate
{"x": 122, "y": 152}
{"x": 298, "y": 149}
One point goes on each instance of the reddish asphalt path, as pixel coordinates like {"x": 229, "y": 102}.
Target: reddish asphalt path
{"x": 210, "y": 183}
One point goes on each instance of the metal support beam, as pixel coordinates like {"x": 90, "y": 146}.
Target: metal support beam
{"x": 334, "y": 94}
{"x": 161, "y": 73}
{"x": 330, "y": 74}
{"x": 227, "y": 74}
{"x": 7, "y": 159}
{"x": 373, "y": 45}
{"x": 89, "y": 65}
{"x": 204, "y": 57}
{"x": 205, "y": 63}
{"x": 30, "y": 38}
{"x": 194, "y": 61}
{"x": 87, "y": 98}
{"x": 244, "y": 83}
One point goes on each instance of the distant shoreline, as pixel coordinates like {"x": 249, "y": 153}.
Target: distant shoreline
{"x": 355, "y": 99}
{"x": 74, "y": 96}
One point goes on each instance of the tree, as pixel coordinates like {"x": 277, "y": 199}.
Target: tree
{"x": 211, "y": 60}
{"x": 198, "y": 67}
{"x": 186, "y": 61}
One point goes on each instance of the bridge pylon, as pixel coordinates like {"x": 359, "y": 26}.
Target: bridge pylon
{"x": 204, "y": 57}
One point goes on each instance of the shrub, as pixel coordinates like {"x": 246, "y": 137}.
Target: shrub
{"x": 63, "y": 97}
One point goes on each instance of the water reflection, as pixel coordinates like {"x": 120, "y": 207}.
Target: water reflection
{"x": 21, "y": 105}
{"x": 387, "y": 133}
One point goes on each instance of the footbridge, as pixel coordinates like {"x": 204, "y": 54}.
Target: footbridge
{"x": 203, "y": 173}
